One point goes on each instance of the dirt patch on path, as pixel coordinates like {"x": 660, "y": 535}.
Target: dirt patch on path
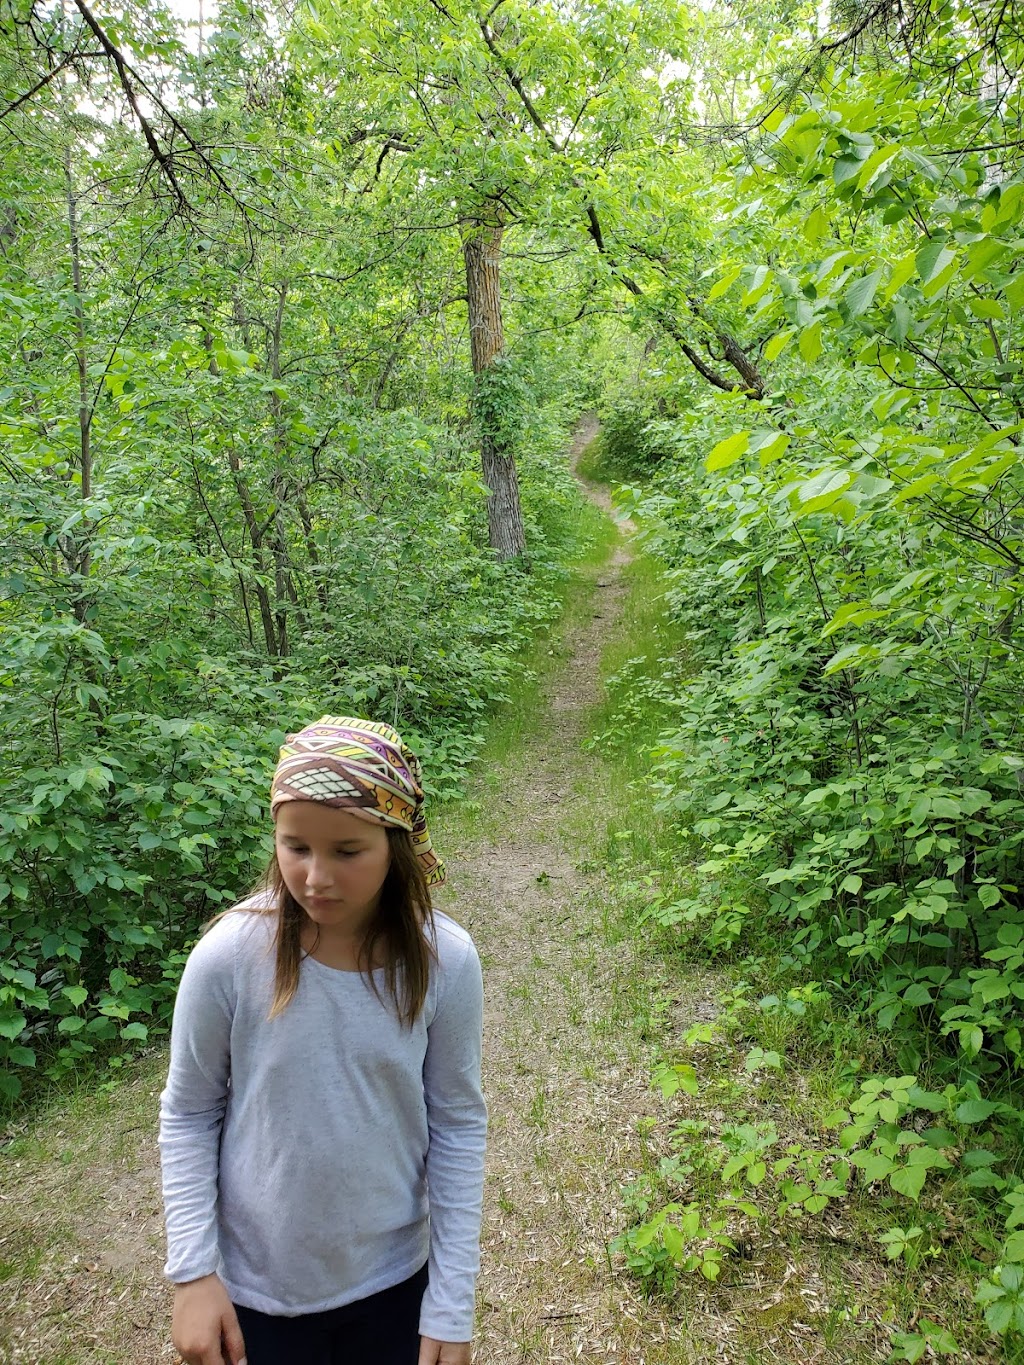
{"x": 567, "y": 1077}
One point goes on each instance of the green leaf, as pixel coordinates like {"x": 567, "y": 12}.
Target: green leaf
{"x": 874, "y": 1166}
{"x": 845, "y": 168}
{"x": 12, "y": 1022}
{"x": 932, "y": 259}
{"x": 909, "y": 1180}
{"x": 10, "y": 1085}
{"x": 986, "y": 308}
{"x": 819, "y": 492}
{"x": 816, "y": 224}
{"x": 861, "y": 294}
{"x": 773, "y": 450}
{"x": 941, "y": 278}
{"x": 916, "y": 488}
{"x": 850, "y": 614}
{"x": 877, "y": 162}
{"x": 671, "y": 1079}
{"x": 727, "y": 452}
{"x": 672, "y": 1238}
{"x": 909, "y": 1346}
{"x": 725, "y": 283}
{"x": 899, "y": 273}
{"x": 972, "y": 1039}
{"x": 849, "y": 655}
{"x": 999, "y": 1316}
{"x": 917, "y": 995}
{"x": 810, "y": 342}
{"x": 974, "y": 1111}
{"x": 757, "y": 1059}
{"x": 760, "y": 281}
{"x": 778, "y": 343}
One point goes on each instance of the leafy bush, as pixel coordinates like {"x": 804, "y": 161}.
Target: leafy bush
{"x": 844, "y": 557}
{"x": 630, "y": 447}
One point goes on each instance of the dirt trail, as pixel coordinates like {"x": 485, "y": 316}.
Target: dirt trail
{"x": 564, "y": 1072}
{"x": 567, "y": 1077}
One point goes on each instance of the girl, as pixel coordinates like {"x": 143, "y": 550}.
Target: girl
{"x": 322, "y": 1129}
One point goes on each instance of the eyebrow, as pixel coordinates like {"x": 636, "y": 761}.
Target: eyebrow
{"x": 338, "y": 843}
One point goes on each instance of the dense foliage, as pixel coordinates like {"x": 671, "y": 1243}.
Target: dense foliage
{"x": 845, "y": 550}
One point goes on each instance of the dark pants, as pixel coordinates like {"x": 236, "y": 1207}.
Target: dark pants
{"x": 380, "y": 1330}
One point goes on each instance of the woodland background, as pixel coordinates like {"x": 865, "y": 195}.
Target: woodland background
{"x": 300, "y": 305}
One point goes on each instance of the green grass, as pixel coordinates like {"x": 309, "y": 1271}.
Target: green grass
{"x": 647, "y": 646}
{"x": 616, "y": 824}
{"x": 590, "y": 464}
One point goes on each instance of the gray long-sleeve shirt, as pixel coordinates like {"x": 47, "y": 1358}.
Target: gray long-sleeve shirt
{"x": 318, "y": 1158}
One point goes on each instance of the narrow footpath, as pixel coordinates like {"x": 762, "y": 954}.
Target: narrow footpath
{"x": 567, "y": 1079}
{"x": 567, "y": 1072}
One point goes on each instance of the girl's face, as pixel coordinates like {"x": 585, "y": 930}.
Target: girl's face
{"x": 333, "y": 863}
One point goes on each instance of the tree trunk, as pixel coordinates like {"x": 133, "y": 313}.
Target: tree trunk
{"x": 255, "y": 536}
{"x": 256, "y": 540}
{"x": 284, "y": 588}
{"x": 77, "y": 547}
{"x": 82, "y": 556}
{"x": 481, "y": 249}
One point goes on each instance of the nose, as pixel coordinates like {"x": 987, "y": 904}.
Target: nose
{"x": 318, "y": 877}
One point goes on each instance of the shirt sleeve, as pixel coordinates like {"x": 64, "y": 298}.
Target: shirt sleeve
{"x": 457, "y": 1122}
{"x": 192, "y": 1106}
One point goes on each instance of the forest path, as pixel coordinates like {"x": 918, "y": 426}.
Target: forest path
{"x": 567, "y": 1078}
{"x": 567, "y": 1070}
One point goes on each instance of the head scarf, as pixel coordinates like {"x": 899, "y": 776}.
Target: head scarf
{"x": 361, "y": 766}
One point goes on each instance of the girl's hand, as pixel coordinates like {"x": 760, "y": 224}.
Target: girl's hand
{"x": 445, "y": 1352}
{"x": 205, "y": 1328}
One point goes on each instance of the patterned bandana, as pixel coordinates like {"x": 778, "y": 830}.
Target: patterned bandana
{"x": 363, "y": 767}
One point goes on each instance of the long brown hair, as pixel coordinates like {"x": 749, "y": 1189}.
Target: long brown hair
{"x": 401, "y": 933}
